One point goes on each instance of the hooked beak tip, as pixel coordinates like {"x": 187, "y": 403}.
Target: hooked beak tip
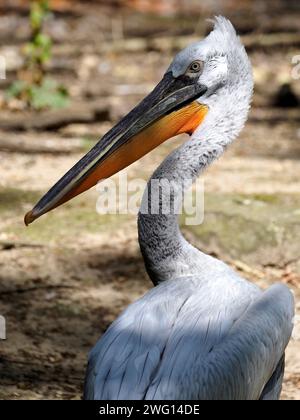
{"x": 29, "y": 218}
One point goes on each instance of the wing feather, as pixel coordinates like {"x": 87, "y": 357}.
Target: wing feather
{"x": 178, "y": 342}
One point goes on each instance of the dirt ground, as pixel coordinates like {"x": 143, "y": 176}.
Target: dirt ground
{"x": 64, "y": 279}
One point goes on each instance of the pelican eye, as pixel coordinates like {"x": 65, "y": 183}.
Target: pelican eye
{"x": 195, "y": 67}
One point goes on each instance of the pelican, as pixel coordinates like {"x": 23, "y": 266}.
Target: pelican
{"x": 203, "y": 332}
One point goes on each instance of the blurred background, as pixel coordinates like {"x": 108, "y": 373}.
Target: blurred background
{"x": 68, "y": 71}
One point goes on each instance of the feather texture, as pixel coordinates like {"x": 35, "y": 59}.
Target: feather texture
{"x": 180, "y": 341}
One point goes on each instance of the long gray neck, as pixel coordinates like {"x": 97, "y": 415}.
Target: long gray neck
{"x": 166, "y": 253}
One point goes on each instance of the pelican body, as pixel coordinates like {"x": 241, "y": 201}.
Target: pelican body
{"x": 203, "y": 332}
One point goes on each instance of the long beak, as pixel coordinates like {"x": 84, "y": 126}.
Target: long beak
{"x": 170, "y": 109}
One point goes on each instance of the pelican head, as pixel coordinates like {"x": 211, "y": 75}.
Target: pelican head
{"x": 205, "y": 79}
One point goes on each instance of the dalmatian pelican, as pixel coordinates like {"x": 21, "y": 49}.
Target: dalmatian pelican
{"x": 203, "y": 332}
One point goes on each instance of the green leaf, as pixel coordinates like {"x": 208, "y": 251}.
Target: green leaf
{"x": 29, "y": 49}
{"x": 42, "y": 40}
{"x": 16, "y": 89}
{"x": 38, "y": 13}
{"x": 36, "y": 16}
{"x": 48, "y": 95}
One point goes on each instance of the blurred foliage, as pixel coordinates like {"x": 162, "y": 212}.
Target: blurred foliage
{"x": 32, "y": 86}
{"x": 48, "y": 94}
{"x": 38, "y": 50}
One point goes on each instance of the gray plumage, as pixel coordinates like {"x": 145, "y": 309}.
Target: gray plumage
{"x": 203, "y": 332}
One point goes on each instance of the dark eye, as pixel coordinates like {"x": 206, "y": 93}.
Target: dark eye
{"x": 195, "y": 67}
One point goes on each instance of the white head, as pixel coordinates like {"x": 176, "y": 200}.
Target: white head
{"x": 221, "y": 64}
